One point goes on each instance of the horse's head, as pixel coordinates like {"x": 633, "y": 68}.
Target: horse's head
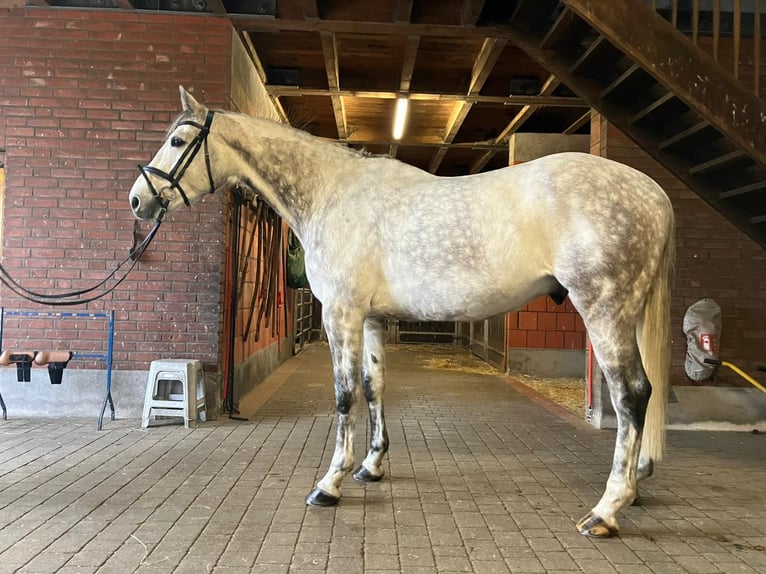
{"x": 177, "y": 174}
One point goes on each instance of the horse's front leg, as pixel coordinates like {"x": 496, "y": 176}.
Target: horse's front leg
{"x": 344, "y": 333}
{"x": 373, "y": 382}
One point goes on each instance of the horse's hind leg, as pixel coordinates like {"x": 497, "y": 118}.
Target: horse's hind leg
{"x": 344, "y": 333}
{"x": 617, "y": 350}
{"x": 373, "y": 381}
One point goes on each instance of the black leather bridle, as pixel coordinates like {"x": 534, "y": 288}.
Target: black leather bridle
{"x": 179, "y": 169}
{"x": 81, "y": 296}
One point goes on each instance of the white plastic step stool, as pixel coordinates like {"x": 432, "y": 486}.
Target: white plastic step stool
{"x": 176, "y": 388}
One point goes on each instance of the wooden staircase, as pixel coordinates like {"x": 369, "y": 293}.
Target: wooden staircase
{"x": 672, "y": 98}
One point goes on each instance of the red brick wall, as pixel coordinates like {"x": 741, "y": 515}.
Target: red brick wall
{"x": 714, "y": 259}
{"x": 84, "y": 96}
{"x": 541, "y": 324}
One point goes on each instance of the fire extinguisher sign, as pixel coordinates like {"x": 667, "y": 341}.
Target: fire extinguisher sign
{"x": 707, "y": 341}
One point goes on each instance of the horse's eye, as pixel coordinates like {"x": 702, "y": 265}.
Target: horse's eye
{"x": 175, "y": 141}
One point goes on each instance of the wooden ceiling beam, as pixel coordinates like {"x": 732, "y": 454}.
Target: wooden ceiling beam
{"x": 216, "y": 6}
{"x": 252, "y": 23}
{"x": 330, "y": 52}
{"x": 403, "y": 11}
{"x": 424, "y": 141}
{"x": 470, "y": 12}
{"x": 408, "y": 65}
{"x": 408, "y": 68}
{"x": 482, "y": 67}
{"x": 310, "y": 10}
{"x": 516, "y": 122}
{"x": 512, "y": 100}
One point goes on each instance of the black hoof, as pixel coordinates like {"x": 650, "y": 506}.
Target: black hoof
{"x": 645, "y": 468}
{"x": 321, "y": 498}
{"x": 363, "y": 475}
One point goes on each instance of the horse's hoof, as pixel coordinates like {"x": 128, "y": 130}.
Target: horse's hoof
{"x": 321, "y": 498}
{"x": 595, "y": 527}
{"x": 645, "y": 468}
{"x": 363, "y": 475}
{"x": 636, "y": 501}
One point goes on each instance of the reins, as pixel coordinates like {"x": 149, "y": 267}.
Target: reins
{"x": 77, "y": 297}
{"x": 68, "y": 298}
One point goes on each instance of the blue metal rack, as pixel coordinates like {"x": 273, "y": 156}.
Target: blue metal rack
{"x": 106, "y": 357}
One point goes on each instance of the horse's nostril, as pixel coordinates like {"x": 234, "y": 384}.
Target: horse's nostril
{"x": 135, "y": 203}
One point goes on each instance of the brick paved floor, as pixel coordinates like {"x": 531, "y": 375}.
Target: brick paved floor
{"x": 480, "y": 478}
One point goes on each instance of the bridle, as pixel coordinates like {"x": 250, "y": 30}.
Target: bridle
{"x": 81, "y": 296}
{"x": 179, "y": 168}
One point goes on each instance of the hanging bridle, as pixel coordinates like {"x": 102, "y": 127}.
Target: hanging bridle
{"x": 180, "y": 167}
{"x": 174, "y": 178}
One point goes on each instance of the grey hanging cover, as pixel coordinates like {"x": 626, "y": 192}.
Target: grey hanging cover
{"x": 702, "y": 326}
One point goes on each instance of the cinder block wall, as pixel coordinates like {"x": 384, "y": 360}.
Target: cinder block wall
{"x": 714, "y": 259}
{"x": 84, "y": 97}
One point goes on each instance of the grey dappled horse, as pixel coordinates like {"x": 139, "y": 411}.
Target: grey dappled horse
{"x": 385, "y": 239}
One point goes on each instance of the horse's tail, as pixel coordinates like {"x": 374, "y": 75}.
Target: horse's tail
{"x": 654, "y": 344}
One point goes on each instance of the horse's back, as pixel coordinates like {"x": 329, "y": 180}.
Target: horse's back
{"x": 434, "y": 247}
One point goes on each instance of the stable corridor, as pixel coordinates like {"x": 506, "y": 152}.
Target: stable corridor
{"x": 483, "y": 476}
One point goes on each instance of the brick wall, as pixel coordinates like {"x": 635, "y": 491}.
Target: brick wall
{"x": 714, "y": 259}
{"x": 84, "y": 96}
{"x": 541, "y": 324}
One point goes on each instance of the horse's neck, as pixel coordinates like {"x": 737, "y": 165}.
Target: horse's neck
{"x": 292, "y": 172}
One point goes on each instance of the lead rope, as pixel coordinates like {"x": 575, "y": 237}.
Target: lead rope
{"x": 67, "y": 298}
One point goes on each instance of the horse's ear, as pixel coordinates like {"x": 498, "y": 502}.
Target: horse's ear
{"x": 188, "y": 102}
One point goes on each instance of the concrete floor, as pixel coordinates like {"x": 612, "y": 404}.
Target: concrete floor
{"x": 480, "y": 478}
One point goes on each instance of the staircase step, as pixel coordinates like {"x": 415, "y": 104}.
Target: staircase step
{"x": 533, "y": 13}
{"x": 652, "y": 107}
{"x": 619, "y": 80}
{"x": 567, "y": 26}
{"x": 589, "y": 51}
{"x": 682, "y": 135}
{"x": 758, "y": 219}
{"x": 743, "y": 189}
{"x": 717, "y": 162}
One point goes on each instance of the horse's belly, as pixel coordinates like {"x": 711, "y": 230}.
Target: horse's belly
{"x": 456, "y": 299}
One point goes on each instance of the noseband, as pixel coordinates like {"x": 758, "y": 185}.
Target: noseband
{"x": 180, "y": 167}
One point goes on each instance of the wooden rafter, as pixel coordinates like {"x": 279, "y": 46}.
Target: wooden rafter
{"x": 310, "y": 10}
{"x": 216, "y": 6}
{"x": 330, "y": 52}
{"x": 470, "y": 12}
{"x": 425, "y": 141}
{"x": 399, "y": 28}
{"x": 408, "y": 68}
{"x": 485, "y": 61}
{"x": 512, "y": 100}
{"x": 516, "y": 122}
{"x": 403, "y": 11}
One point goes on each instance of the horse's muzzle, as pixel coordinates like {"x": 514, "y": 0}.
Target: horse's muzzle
{"x": 144, "y": 208}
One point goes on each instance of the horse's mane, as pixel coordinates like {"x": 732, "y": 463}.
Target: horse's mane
{"x": 292, "y": 132}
